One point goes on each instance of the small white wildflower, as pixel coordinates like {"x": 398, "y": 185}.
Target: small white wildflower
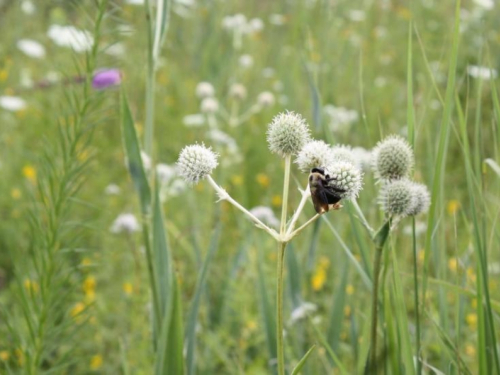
{"x": 343, "y": 152}
{"x": 193, "y": 121}
{"x": 205, "y": 90}
{"x": 486, "y": 4}
{"x": 125, "y": 223}
{"x": 209, "y": 105}
{"x": 287, "y": 134}
{"x": 165, "y": 173}
{"x": 397, "y": 198}
{"x": 245, "y": 61}
{"x": 266, "y": 99}
{"x": 302, "y": 311}
{"x": 357, "y": 15}
{"x": 392, "y": 158}
{"x": 12, "y": 103}
{"x": 482, "y": 72}
{"x": 238, "y": 91}
{"x": 112, "y": 189}
{"x": 347, "y": 177}
{"x": 314, "y": 154}
{"x": 116, "y": 49}
{"x": 256, "y": 25}
{"x": 421, "y": 199}
{"x": 266, "y": 215}
{"x": 31, "y": 48}
{"x": 71, "y": 37}
{"x": 340, "y": 118}
{"x": 28, "y": 7}
{"x": 362, "y": 157}
{"x": 196, "y": 162}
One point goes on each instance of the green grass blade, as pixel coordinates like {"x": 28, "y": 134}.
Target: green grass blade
{"x": 437, "y": 182}
{"x": 493, "y": 165}
{"x": 302, "y": 362}
{"x": 337, "y": 313}
{"x": 193, "y": 312}
{"x": 170, "y": 359}
{"x": 329, "y": 350}
{"x": 133, "y": 152}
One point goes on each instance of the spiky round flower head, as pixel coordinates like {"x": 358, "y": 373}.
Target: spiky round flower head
{"x": 287, "y": 134}
{"x": 392, "y": 158}
{"x": 196, "y": 162}
{"x": 204, "y": 90}
{"x": 397, "y": 197}
{"x": 314, "y": 154}
{"x": 343, "y": 152}
{"x": 209, "y": 105}
{"x": 421, "y": 199}
{"x": 347, "y": 177}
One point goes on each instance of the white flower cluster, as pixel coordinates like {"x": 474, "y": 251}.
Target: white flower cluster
{"x": 125, "y": 223}
{"x": 196, "y": 162}
{"x": 340, "y": 118}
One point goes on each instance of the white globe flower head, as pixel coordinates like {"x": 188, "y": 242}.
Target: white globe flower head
{"x": 314, "y": 154}
{"x": 125, "y": 223}
{"x": 238, "y": 91}
{"x": 245, "y": 61}
{"x": 362, "y": 157}
{"x": 266, "y": 99}
{"x": 196, "y": 162}
{"x": 346, "y": 177}
{"x": 343, "y": 152}
{"x": 205, "y": 90}
{"x": 397, "y": 198}
{"x": 287, "y": 134}
{"x": 421, "y": 199}
{"x": 209, "y": 105}
{"x": 392, "y": 158}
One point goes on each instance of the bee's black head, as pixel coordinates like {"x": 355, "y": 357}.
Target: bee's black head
{"x": 319, "y": 170}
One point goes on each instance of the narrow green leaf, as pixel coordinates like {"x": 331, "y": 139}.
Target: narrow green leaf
{"x": 329, "y": 350}
{"x": 133, "y": 152}
{"x": 302, "y": 362}
{"x": 493, "y": 165}
{"x": 195, "y": 306}
{"x": 337, "y": 311}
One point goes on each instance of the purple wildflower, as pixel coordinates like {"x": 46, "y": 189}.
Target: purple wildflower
{"x": 106, "y": 78}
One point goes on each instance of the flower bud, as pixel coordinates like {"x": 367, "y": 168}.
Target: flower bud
{"x": 238, "y": 91}
{"x": 266, "y": 99}
{"x": 392, "y": 158}
{"x": 397, "y": 197}
{"x": 347, "y": 177}
{"x": 314, "y": 154}
{"x": 287, "y": 134}
{"x": 196, "y": 162}
{"x": 421, "y": 199}
{"x": 204, "y": 90}
{"x": 209, "y": 105}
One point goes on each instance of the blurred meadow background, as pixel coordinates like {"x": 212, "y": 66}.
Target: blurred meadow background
{"x": 75, "y": 293}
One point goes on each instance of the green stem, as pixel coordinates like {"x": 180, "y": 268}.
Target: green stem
{"x": 286, "y": 185}
{"x": 152, "y": 278}
{"x": 279, "y": 308}
{"x": 150, "y": 86}
{"x": 415, "y": 283}
{"x": 376, "y": 276}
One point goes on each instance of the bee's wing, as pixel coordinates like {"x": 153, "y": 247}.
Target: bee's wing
{"x": 331, "y": 196}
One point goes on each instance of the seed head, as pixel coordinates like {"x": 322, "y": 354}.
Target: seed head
{"x": 397, "y": 197}
{"x": 392, "y": 158}
{"x": 204, "y": 90}
{"x": 421, "y": 199}
{"x": 314, "y": 154}
{"x": 287, "y": 134}
{"x": 196, "y": 162}
{"x": 238, "y": 91}
{"x": 347, "y": 177}
{"x": 209, "y": 105}
{"x": 265, "y": 99}
{"x": 343, "y": 152}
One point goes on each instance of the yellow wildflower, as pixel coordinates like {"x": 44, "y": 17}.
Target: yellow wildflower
{"x": 453, "y": 206}
{"x": 15, "y": 193}
{"x": 3, "y": 75}
{"x": 470, "y": 350}
{"x": 349, "y": 290}
{"x": 276, "y": 200}
{"x": 89, "y": 284}
{"x": 86, "y": 262}
{"x": 29, "y": 172}
{"x": 128, "y": 288}
{"x": 453, "y": 264}
{"x": 96, "y": 362}
{"x": 318, "y": 279}
{"x": 237, "y": 180}
{"x": 77, "y": 309}
{"x": 262, "y": 180}
{"x": 31, "y": 285}
{"x": 471, "y": 319}
{"x": 4, "y": 355}
{"x": 252, "y": 325}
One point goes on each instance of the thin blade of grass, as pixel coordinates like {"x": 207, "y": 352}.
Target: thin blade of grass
{"x": 302, "y": 362}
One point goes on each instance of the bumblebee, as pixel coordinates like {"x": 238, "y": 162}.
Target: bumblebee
{"x": 324, "y": 196}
